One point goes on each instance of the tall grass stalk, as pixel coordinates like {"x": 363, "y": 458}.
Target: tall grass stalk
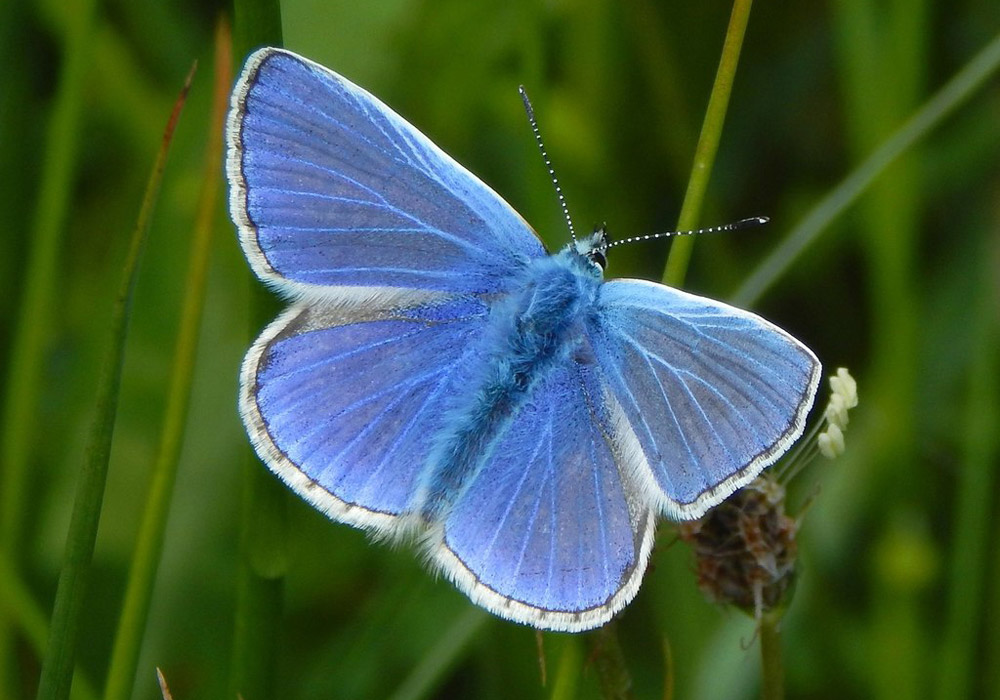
{"x": 30, "y": 337}
{"x": 969, "y": 569}
{"x": 708, "y": 144}
{"x": 260, "y": 585}
{"x": 263, "y": 525}
{"x": 880, "y": 52}
{"x": 680, "y": 255}
{"x": 149, "y": 544}
{"x": 930, "y": 115}
{"x": 453, "y": 642}
{"x": 569, "y": 664}
{"x": 57, "y": 666}
{"x": 29, "y": 346}
{"x": 27, "y": 615}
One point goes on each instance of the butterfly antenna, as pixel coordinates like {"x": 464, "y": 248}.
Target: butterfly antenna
{"x": 735, "y": 226}
{"x": 545, "y": 157}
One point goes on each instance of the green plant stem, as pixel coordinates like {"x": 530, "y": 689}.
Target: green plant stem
{"x": 880, "y": 53}
{"x": 149, "y": 544}
{"x": 955, "y": 92}
{"x": 609, "y": 661}
{"x": 969, "y": 569}
{"x": 57, "y": 666}
{"x": 668, "y": 669}
{"x": 263, "y": 552}
{"x": 773, "y": 676}
{"x": 29, "y": 345}
{"x": 440, "y": 657}
{"x": 708, "y": 144}
{"x": 24, "y": 611}
{"x": 680, "y": 249}
{"x": 569, "y": 668}
{"x": 255, "y": 23}
{"x": 260, "y": 584}
{"x": 30, "y": 337}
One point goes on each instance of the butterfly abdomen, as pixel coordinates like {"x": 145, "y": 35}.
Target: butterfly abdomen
{"x": 530, "y": 331}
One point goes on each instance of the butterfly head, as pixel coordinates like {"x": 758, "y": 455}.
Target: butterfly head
{"x": 594, "y": 248}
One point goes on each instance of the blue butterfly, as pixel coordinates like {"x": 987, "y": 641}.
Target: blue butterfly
{"x": 440, "y": 376}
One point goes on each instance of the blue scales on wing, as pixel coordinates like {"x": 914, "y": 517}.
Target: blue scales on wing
{"x": 343, "y": 402}
{"x": 439, "y": 375}
{"x": 710, "y": 394}
{"x": 332, "y": 189}
{"x": 550, "y": 531}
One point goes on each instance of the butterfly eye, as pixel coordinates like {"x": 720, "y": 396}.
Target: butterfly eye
{"x": 598, "y": 247}
{"x": 597, "y": 256}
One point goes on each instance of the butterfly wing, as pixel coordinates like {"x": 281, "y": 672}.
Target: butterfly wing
{"x": 341, "y": 401}
{"x": 334, "y": 194}
{"x": 549, "y": 532}
{"x": 708, "y": 395}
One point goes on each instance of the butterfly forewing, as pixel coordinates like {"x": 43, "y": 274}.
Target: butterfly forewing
{"x": 330, "y": 188}
{"x": 711, "y": 394}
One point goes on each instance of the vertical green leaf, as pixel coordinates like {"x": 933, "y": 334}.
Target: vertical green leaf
{"x": 31, "y": 335}
{"x": 149, "y": 544}
{"x": 956, "y": 92}
{"x": 708, "y": 143}
{"x": 260, "y": 578}
{"x": 18, "y": 602}
{"x": 969, "y": 570}
{"x": 881, "y": 53}
{"x": 441, "y": 656}
{"x": 57, "y": 666}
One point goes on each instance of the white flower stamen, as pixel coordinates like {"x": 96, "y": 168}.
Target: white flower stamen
{"x": 844, "y": 397}
{"x": 831, "y": 442}
{"x": 843, "y": 384}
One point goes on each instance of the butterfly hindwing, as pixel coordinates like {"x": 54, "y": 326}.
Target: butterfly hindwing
{"x": 330, "y": 188}
{"x": 708, "y": 394}
{"x": 550, "y": 531}
{"x": 342, "y": 401}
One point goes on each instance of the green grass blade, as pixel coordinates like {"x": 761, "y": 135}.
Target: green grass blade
{"x": 680, "y": 249}
{"x": 450, "y": 646}
{"x": 708, "y": 144}
{"x": 970, "y": 561}
{"x": 24, "y": 611}
{"x": 255, "y": 23}
{"x": 57, "y": 666}
{"x": 31, "y": 336}
{"x": 569, "y": 664}
{"x": 149, "y": 544}
{"x": 881, "y": 57}
{"x": 954, "y": 93}
{"x": 263, "y": 555}
{"x": 260, "y": 586}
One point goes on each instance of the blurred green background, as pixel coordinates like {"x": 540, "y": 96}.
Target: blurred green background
{"x": 899, "y": 592}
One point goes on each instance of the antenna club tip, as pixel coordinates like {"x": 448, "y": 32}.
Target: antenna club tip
{"x": 749, "y": 222}
{"x": 527, "y": 105}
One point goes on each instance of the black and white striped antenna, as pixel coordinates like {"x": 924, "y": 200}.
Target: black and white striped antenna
{"x": 545, "y": 157}
{"x": 735, "y": 226}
